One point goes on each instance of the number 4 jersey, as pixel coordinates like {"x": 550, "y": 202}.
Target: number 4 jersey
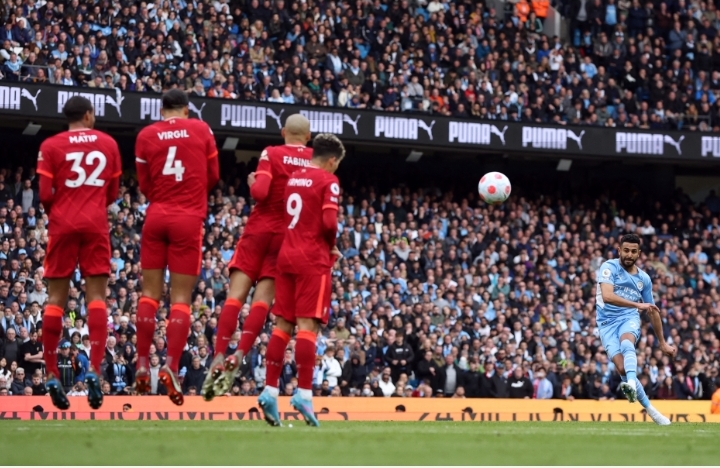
{"x": 176, "y": 160}
{"x": 84, "y": 166}
{"x": 309, "y": 194}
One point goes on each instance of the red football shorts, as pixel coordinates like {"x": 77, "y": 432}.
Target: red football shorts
{"x": 256, "y": 255}
{"x": 175, "y": 242}
{"x": 302, "y": 296}
{"x": 66, "y": 251}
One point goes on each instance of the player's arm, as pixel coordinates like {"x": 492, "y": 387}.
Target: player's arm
{"x": 606, "y": 278}
{"x": 609, "y": 297}
{"x": 213, "y": 165}
{"x": 114, "y": 185}
{"x": 259, "y": 181}
{"x": 330, "y": 210}
{"x": 46, "y": 173}
{"x": 656, "y": 320}
{"x": 141, "y": 165}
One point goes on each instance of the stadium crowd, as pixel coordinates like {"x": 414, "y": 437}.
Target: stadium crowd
{"x": 435, "y": 296}
{"x": 618, "y": 63}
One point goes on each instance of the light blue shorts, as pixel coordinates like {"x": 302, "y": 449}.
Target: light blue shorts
{"x": 612, "y": 329}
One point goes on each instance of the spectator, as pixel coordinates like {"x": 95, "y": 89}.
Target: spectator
{"x": 353, "y": 375}
{"x": 519, "y": 386}
{"x": 67, "y": 366}
{"x": 331, "y": 367}
{"x": 119, "y": 374}
{"x": 543, "y": 389}
{"x": 195, "y": 376}
{"x": 400, "y": 355}
{"x": 12, "y": 345}
{"x": 385, "y": 384}
{"x": 449, "y": 377}
{"x": 32, "y": 354}
{"x": 78, "y": 390}
{"x": 19, "y": 382}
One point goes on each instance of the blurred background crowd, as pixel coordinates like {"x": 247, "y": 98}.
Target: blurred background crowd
{"x": 436, "y": 295}
{"x": 615, "y": 63}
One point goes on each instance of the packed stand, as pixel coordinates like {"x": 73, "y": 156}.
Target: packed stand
{"x": 617, "y": 64}
{"x": 434, "y": 296}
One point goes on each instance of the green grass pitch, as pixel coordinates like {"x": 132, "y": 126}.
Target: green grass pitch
{"x": 356, "y": 443}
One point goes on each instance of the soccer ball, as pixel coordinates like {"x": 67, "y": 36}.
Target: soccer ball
{"x": 494, "y": 188}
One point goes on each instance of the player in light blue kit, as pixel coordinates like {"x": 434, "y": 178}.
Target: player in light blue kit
{"x": 623, "y": 291}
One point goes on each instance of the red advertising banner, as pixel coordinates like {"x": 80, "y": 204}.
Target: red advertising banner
{"x": 156, "y": 408}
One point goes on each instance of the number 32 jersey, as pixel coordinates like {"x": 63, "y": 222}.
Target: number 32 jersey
{"x": 82, "y": 165}
{"x": 306, "y": 247}
{"x": 176, "y": 160}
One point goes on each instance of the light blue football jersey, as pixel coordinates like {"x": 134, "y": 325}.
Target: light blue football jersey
{"x": 636, "y": 288}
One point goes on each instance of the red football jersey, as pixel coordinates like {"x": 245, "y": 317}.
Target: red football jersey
{"x": 177, "y": 164}
{"x": 84, "y": 166}
{"x": 305, "y": 249}
{"x": 277, "y": 162}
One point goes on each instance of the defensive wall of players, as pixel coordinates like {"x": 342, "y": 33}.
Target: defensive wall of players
{"x": 155, "y": 408}
{"x": 39, "y": 103}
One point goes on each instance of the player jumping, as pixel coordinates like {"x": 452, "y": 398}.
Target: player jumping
{"x": 256, "y": 253}
{"x": 303, "y": 284}
{"x": 79, "y": 177}
{"x": 177, "y": 166}
{"x": 623, "y": 291}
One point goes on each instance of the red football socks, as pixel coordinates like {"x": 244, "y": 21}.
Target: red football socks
{"x": 252, "y": 326}
{"x": 147, "y": 308}
{"x": 227, "y": 324}
{"x": 52, "y": 329}
{"x": 274, "y": 356}
{"x": 305, "y": 358}
{"x": 177, "y": 334}
{"x": 97, "y": 323}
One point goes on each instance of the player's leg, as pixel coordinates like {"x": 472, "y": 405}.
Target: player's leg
{"x": 312, "y": 303}
{"x": 58, "y": 289}
{"x": 153, "y": 258}
{"x": 252, "y": 326}
{"x": 277, "y": 345}
{"x": 245, "y": 269}
{"x": 95, "y": 287}
{"x": 178, "y": 329}
{"x": 94, "y": 252}
{"x": 279, "y": 339}
{"x": 305, "y": 352}
{"x": 184, "y": 257}
{"x": 629, "y": 332}
{"x": 240, "y": 285}
{"x": 152, "y": 287}
{"x": 60, "y": 262}
{"x": 262, "y": 298}
{"x": 263, "y": 295}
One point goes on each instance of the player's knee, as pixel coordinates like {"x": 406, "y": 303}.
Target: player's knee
{"x": 308, "y": 324}
{"x": 264, "y": 291}
{"x": 627, "y": 345}
{"x": 240, "y": 285}
{"x": 284, "y": 325}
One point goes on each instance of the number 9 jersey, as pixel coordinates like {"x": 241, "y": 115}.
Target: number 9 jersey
{"x": 302, "y": 290}
{"x": 79, "y": 177}
{"x": 177, "y": 165}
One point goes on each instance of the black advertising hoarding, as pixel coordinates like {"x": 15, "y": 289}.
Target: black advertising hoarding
{"x": 416, "y": 131}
